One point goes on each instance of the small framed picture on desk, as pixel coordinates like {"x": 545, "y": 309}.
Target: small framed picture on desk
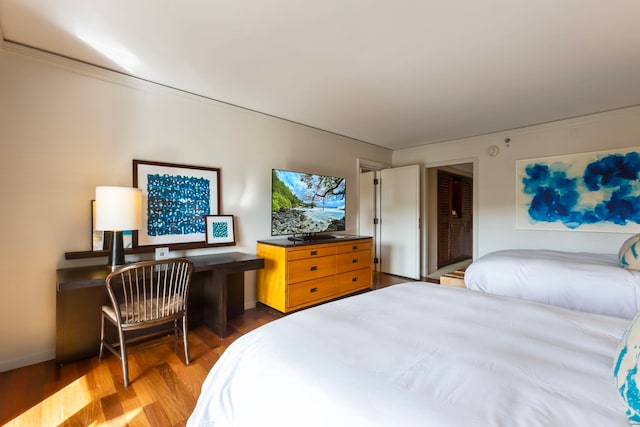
{"x": 220, "y": 230}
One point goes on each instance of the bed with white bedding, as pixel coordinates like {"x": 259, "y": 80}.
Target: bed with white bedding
{"x": 418, "y": 354}
{"x": 596, "y": 283}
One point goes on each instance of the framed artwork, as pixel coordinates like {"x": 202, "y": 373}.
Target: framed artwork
{"x": 176, "y": 199}
{"x": 127, "y": 239}
{"x": 220, "y": 230}
{"x": 597, "y": 191}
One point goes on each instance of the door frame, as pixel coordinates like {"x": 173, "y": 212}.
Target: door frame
{"x": 429, "y": 259}
{"x": 428, "y": 267}
{"x": 364, "y": 165}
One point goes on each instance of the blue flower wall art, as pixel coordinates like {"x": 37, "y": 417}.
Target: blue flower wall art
{"x": 586, "y": 192}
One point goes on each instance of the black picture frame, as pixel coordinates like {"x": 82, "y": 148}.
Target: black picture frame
{"x": 220, "y": 230}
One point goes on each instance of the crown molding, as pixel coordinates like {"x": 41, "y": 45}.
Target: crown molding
{"x": 72, "y": 65}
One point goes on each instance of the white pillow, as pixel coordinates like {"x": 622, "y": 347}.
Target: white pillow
{"x": 629, "y": 253}
{"x": 625, "y": 370}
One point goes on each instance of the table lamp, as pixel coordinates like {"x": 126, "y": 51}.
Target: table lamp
{"x": 118, "y": 209}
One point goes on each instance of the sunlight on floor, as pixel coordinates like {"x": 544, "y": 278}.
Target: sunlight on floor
{"x": 125, "y": 418}
{"x": 58, "y": 407}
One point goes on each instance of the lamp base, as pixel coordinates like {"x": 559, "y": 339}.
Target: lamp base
{"x": 116, "y": 249}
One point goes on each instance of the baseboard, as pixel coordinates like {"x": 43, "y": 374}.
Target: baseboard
{"x": 8, "y": 365}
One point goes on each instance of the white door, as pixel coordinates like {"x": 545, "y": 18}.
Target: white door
{"x": 400, "y": 221}
{"x": 369, "y": 210}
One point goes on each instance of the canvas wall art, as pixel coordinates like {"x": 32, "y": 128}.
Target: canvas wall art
{"x": 176, "y": 199}
{"x": 597, "y": 191}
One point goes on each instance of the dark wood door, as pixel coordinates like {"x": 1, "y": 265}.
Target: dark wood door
{"x": 455, "y": 214}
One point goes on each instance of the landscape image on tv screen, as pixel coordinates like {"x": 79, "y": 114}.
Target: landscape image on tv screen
{"x": 306, "y": 203}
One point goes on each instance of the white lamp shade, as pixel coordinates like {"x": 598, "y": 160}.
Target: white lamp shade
{"x": 118, "y": 208}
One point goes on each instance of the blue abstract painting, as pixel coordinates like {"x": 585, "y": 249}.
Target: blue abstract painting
{"x": 220, "y": 229}
{"x": 176, "y": 204}
{"x": 586, "y": 192}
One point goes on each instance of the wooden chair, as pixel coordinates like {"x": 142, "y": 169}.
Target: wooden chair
{"x": 148, "y": 298}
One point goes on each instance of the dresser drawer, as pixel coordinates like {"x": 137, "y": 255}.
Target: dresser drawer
{"x": 311, "y": 268}
{"x": 354, "y": 247}
{"x": 353, "y": 280}
{"x": 310, "y": 252}
{"x": 310, "y": 291}
{"x": 353, "y": 261}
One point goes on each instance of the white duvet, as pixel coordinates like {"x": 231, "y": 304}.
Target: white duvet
{"x": 581, "y": 281}
{"x": 418, "y": 354}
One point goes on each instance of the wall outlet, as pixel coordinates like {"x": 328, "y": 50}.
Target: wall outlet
{"x": 162, "y": 253}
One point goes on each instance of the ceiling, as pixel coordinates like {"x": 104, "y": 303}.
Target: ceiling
{"x": 395, "y": 74}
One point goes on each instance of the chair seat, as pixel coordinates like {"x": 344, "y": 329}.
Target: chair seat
{"x": 146, "y": 310}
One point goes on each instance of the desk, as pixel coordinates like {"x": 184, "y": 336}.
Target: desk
{"x": 216, "y": 293}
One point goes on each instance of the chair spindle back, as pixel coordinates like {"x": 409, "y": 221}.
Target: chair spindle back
{"x": 150, "y": 291}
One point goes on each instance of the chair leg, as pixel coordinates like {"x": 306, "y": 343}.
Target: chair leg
{"x": 185, "y": 339}
{"x": 176, "y": 336}
{"x": 101, "y": 338}
{"x": 123, "y": 357}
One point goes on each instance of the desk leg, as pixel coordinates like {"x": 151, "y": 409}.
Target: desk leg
{"x": 235, "y": 294}
{"x": 215, "y": 303}
{"x": 223, "y": 296}
{"x": 78, "y": 323}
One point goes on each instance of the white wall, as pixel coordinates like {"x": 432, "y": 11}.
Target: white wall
{"x": 494, "y": 177}
{"x": 67, "y": 127}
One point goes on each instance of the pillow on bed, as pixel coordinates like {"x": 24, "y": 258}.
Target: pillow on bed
{"x": 629, "y": 253}
{"x": 625, "y": 370}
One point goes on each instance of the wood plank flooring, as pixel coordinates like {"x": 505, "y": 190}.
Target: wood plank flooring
{"x": 163, "y": 391}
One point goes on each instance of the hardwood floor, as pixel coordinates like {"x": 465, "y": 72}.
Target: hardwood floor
{"x": 163, "y": 391}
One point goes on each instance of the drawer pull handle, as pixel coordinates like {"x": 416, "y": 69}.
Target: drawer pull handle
{"x": 312, "y": 290}
{"x": 354, "y": 247}
{"x": 354, "y": 261}
{"x": 355, "y": 279}
{"x": 313, "y": 268}
{"x": 312, "y": 253}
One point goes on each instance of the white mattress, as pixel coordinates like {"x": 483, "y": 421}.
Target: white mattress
{"x": 581, "y": 281}
{"x": 418, "y": 354}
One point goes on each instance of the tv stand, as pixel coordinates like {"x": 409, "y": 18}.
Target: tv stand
{"x": 301, "y": 274}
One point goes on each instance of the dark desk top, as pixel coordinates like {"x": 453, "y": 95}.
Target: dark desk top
{"x": 338, "y": 238}
{"x": 229, "y": 262}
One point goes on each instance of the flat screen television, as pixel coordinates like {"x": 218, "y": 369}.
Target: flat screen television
{"x": 304, "y": 205}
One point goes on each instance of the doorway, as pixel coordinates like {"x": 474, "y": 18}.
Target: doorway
{"x": 369, "y": 212}
{"x": 369, "y": 204}
{"x": 455, "y": 215}
{"x": 450, "y": 218}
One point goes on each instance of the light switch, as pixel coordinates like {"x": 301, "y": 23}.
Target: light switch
{"x": 162, "y": 253}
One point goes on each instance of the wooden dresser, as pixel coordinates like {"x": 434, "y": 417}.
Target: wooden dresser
{"x": 300, "y": 274}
